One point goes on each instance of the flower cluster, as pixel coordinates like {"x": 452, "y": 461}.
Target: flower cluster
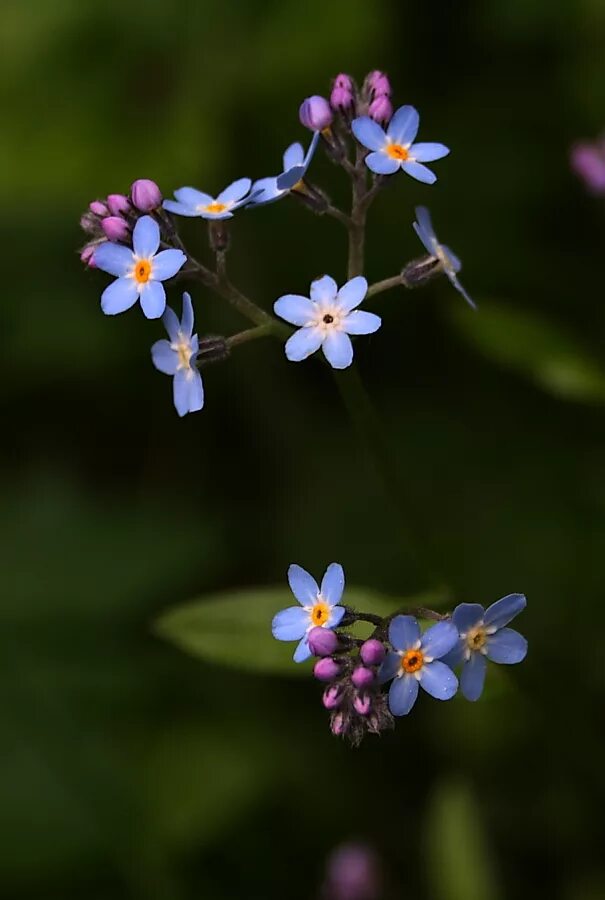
{"x": 399, "y": 654}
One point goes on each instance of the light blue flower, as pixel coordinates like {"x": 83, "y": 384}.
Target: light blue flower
{"x": 139, "y": 271}
{"x": 482, "y": 636}
{"x": 318, "y": 607}
{"x": 296, "y": 163}
{"x": 415, "y": 661}
{"x": 191, "y": 202}
{"x": 395, "y": 149}
{"x": 176, "y": 357}
{"x": 327, "y": 320}
{"x": 449, "y": 261}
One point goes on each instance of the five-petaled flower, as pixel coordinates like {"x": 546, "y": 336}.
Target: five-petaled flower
{"x": 176, "y": 357}
{"x": 318, "y": 607}
{"x": 450, "y": 263}
{"x": 327, "y": 319}
{"x": 296, "y": 163}
{"x": 191, "y": 202}
{"x": 482, "y": 636}
{"x": 139, "y": 271}
{"x": 395, "y": 149}
{"x": 415, "y": 661}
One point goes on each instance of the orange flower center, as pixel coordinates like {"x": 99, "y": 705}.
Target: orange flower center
{"x": 216, "y": 207}
{"x": 397, "y": 151}
{"x": 476, "y": 638}
{"x": 320, "y": 613}
{"x": 412, "y": 661}
{"x": 142, "y": 271}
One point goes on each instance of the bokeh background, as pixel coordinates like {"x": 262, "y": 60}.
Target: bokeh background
{"x": 132, "y": 770}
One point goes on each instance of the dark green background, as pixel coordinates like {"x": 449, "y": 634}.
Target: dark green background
{"x": 128, "y": 769}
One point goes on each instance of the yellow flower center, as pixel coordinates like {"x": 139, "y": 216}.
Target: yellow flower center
{"x": 215, "y": 207}
{"x": 320, "y": 613}
{"x": 142, "y": 271}
{"x": 397, "y": 151}
{"x": 184, "y": 352}
{"x": 412, "y": 661}
{"x": 476, "y": 638}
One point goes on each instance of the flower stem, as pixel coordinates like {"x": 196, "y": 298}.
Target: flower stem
{"x": 379, "y": 286}
{"x": 251, "y": 334}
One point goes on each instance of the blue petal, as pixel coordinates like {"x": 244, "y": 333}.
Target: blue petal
{"x": 146, "y": 237}
{"x": 428, "y": 152}
{"x": 402, "y": 695}
{"x": 403, "y": 127}
{"x": 352, "y": 293}
{"x": 235, "y": 191}
{"x": 506, "y": 646}
{"x": 294, "y": 156}
{"x": 192, "y": 198}
{"x": 153, "y": 299}
{"x": 287, "y": 180}
{"x": 164, "y": 358}
{"x": 290, "y": 624}
{"x": 404, "y": 632}
{"x": 295, "y": 309}
{"x": 369, "y": 133}
{"x": 439, "y": 639}
{"x": 382, "y": 164}
{"x": 180, "y": 209}
{"x": 187, "y": 318}
{"x": 303, "y": 343}
{"x": 205, "y": 214}
{"x": 302, "y": 652}
{"x": 188, "y": 392}
{"x": 419, "y": 172}
{"x": 324, "y": 289}
{"x": 333, "y": 584}
{"x": 336, "y": 615}
{"x": 167, "y": 263}
{"x": 338, "y": 349}
{"x": 453, "y": 260}
{"x": 196, "y": 391}
{"x": 390, "y": 667}
{"x": 263, "y": 191}
{"x": 171, "y": 323}
{"x": 467, "y": 615}
{"x": 359, "y": 322}
{"x": 461, "y": 290}
{"x": 311, "y": 150}
{"x": 119, "y": 296}
{"x": 426, "y": 239}
{"x": 472, "y": 677}
{"x": 456, "y": 655}
{"x": 423, "y": 217}
{"x": 438, "y": 680}
{"x": 303, "y": 586}
{"x": 114, "y": 258}
{"x": 504, "y": 611}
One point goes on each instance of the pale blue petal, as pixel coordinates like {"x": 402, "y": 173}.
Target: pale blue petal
{"x": 352, "y": 293}
{"x": 114, "y": 258}
{"x": 453, "y": 260}
{"x": 403, "y": 127}
{"x": 187, "y": 319}
{"x": 167, "y": 263}
{"x": 459, "y": 288}
{"x": 423, "y": 217}
{"x": 180, "y": 209}
{"x": 438, "y": 680}
{"x": 171, "y": 323}
{"x": 191, "y": 197}
{"x": 263, "y": 191}
{"x": 235, "y": 191}
{"x": 303, "y": 343}
{"x": 302, "y": 652}
{"x": 153, "y": 299}
{"x": 294, "y": 156}
{"x": 472, "y": 677}
{"x": 196, "y": 391}
{"x": 404, "y": 632}
{"x": 419, "y": 172}
{"x": 287, "y": 180}
{"x": 183, "y": 391}
{"x": 456, "y": 655}
{"x": 504, "y": 611}
{"x": 506, "y": 646}
{"x": 359, "y": 322}
{"x": 426, "y": 239}
{"x": 194, "y": 344}
{"x": 439, "y": 639}
{"x": 146, "y": 237}
{"x": 303, "y": 586}
{"x": 295, "y": 309}
{"x": 217, "y": 215}
{"x": 311, "y": 150}
{"x": 290, "y": 624}
{"x": 369, "y": 133}
{"x": 428, "y": 152}
{"x": 324, "y": 289}
{"x": 119, "y": 296}
{"x": 164, "y": 358}
{"x": 336, "y": 616}
{"x": 467, "y": 615}
{"x": 382, "y": 164}
{"x": 390, "y": 667}
{"x": 333, "y": 584}
{"x": 402, "y": 695}
{"x": 338, "y": 349}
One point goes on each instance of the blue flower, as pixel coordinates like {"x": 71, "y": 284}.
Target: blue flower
{"x": 415, "y": 661}
{"x": 449, "y": 261}
{"x": 482, "y": 636}
{"x": 191, "y": 202}
{"x": 394, "y": 149}
{"x": 318, "y": 607}
{"x": 176, "y": 357}
{"x": 327, "y": 320}
{"x": 139, "y": 271}
{"x": 296, "y": 163}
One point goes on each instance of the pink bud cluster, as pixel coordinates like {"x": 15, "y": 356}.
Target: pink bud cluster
{"x": 112, "y": 219}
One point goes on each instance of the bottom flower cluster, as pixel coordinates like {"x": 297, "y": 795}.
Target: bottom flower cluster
{"x": 398, "y": 653}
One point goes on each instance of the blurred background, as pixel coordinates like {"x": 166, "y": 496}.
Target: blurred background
{"x": 130, "y": 769}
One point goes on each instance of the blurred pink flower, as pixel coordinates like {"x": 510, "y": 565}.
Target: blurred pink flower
{"x": 353, "y": 873}
{"x": 587, "y": 159}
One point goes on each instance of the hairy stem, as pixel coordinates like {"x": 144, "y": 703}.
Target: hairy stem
{"x": 385, "y": 285}
{"x": 251, "y": 334}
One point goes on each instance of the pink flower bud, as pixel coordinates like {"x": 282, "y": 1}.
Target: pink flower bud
{"x": 332, "y": 697}
{"x": 315, "y": 113}
{"x": 362, "y": 704}
{"x": 116, "y": 228}
{"x": 362, "y": 677}
{"x": 87, "y": 256}
{"x": 322, "y": 641}
{"x": 118, "y": 204}
{"x": 89, "y": 223}
{"x": 326, "y": 669}
{"x": 372, "y": 652}
{"x": 588, "y": 162}
{"x": 98, "y": 208}
{"x": 145, "y": 195}
{"x": 337, "y": 725}
{"x": 343, "y": 92}
{"x": 379, "y": 84}
{"x": 381, "y": 109}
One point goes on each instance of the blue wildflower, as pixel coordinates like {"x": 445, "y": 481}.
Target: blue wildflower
{"x": 176, "y": 357}
{"x": 327, "y": 320}
{"x": 482, "y": 636}
{"x": 318, "y": 607}
{"x": 191, "y": 202}
{"x": 394, "y": 149}
{"x": 296, "y": 163}
{"x": 139, "y": 271}
{"x": 448, "y": 259}
{"x": 415, "y": 661}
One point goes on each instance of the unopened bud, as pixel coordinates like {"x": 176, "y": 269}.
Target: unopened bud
{"x": 212, "y": 348}
{"x": 89, "y": 223}
{"x": 315, "y": 113}
{"x": 145, "y": 195}
{"x": 332, "y": 697}
{"x": 419, "y": 271}
{"x": 337, "y": 724}
{"x": 362, "y": 704}
{"x": 372, "y": 652}
{"x": 381, "y": 109}
{"x": 379, "y": 84}
{"x": 98, "y": 208}
{"x": 87, "y": 255}
{"x": 326, "y": 669}
{"x": 362, "y": 677}
{"x": 322, "y": 641}
{"x": 118, "y": 204}
{"x": 342, "y": 96}
{"x": 115, "y": 228}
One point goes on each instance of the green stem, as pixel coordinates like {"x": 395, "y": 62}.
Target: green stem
{"x": 251, "y": 334}
{"x": 379, "y": 286}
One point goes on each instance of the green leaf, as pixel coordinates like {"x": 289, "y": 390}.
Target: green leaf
{"x": 533, "y": 346}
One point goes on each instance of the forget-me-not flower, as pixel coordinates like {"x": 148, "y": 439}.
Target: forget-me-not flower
{"x": 191, "y": 202}
{"x": 483, "y": 636}
{"x": 327, "y": 319}
{"x": 449, "y": 261}
{"x": 139, "y": 271}
{"x": 395, "y": 149}
{"x": 176, "y": 357}
{"x": 296, "y": 163}
{"x": 415, "y": 661}
{"x": 318, "y": 607}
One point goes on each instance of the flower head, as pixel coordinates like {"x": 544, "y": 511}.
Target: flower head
{"x": 177, "y": 356}
{"x": 482, "y": 635}
{"x": 191, "y": 202}
{"x": 318, "y": 607}
{"x": 296, "y": 162}
{"x": 415, "y": 661}
{"x": 327, "y": 319}
{"x": 450, "y": 263}
{"x": 395, "y": 149}
{"x": 139, "y": 271}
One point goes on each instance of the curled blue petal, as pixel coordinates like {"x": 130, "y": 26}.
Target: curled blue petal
{"x": 290, "y": 624}
{"x": 369, "y": 133}
{"x": 303, "y": 585}
{"x": 311, "y": 151}
{"x": 402, "y": 695}
{"x": 264, "y": 191}
{"x": 191, "y": 197}
{"x": 472, "y": 677}
{"x": 119, "y": 296}
{"x": 333, "y": 584}
{"x": 453, "y": 261}
{"x": 352, "y": 293}
{"x": 507, "y": 647}
{"x": 438, "y": 680}
{"x": 146, "y": 237}
{"x": 167, "y": 263}
{"x": 295, "y": 309}
{"x": 287, "y": 180}
{"x": 504, "y": 610}
{"x": 404, "y": 632}
{"x": 403, "y": 127}
{"x": 303, "y": 343}
{"x": 439, "y": 639}
{"x": 187, "y": 318}
{"x": 460, "y": 289}
{"x": 114, "y": 258}
{"x": 187, "y": 391}
{"x": 381, "y": 164}
{"x": 196, "y": 391}
{"x": 153, "y": 299}
{"x": 359, "y": 322}
{"x": 164, "y": 358}
{"x": 419, "y": 172}
{"x": 467, "y": 616}
{"x": 338, "y": 349}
